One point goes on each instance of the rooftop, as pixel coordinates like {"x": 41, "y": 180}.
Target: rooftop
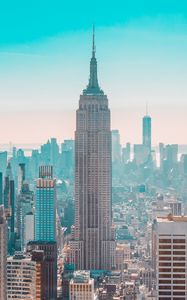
{"x": 171, "y": 218}
{"x": 81, "y": 276}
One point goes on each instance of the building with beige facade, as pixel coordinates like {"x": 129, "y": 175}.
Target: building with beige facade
{"x": 24, "y": 280}
{"x": 170, "y": 255}
{"x": 81, "y": 286}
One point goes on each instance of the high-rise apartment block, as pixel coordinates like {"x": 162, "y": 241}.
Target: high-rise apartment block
{"x": 45, "y": 229}
{"x": 23, "y": 278}
{"x": 3, "y": 253}
{"x": 170, "y": 257}
{"x": 92, "y": 241}
{"x": 45, "y": 206}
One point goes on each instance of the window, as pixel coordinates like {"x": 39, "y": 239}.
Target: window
{"x": 165, "y": 241}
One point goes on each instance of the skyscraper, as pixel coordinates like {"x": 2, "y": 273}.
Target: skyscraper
{"x": 93, "y": 244}
{"x": 9, "y": 204}
{"x": 147, "y": 131}
{"x": 3, "y": 253}
{"x": 3, "y": 161}
{"x": 48, "y": 267}
{"x": 25, "y": 205}
{"x": 169, "y": 257}
{"x": 45, "y": 214}
{"x": 45, "y": 229}
{"x": 21, "y": 176}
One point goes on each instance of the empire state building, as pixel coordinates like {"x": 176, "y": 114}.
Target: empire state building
{"x": 92, "y": 245}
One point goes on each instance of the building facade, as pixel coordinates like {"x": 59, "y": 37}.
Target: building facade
{"x": 170, "y": 255}
{"x": 92, "y": 236}
{"x": 21, "y": 278}
{"x": 3, "y": 253}
{"x": 25, "y": 207}
{"x": 48, "y": 267}
{"x": 9, "y": 205}
{"x": 45, "y": 206}
{"x": 81, "y": 286}
{"x": 147, "y": 131}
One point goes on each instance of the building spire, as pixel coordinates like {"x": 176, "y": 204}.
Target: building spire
{"x": 93, "y": 42}
{"x": 146, "y": 109}
{"x": 93, "y": 86}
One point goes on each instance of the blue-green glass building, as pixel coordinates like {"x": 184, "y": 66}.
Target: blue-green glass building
{"x": 147, "y": 131}
{"x": 45, "y": 207}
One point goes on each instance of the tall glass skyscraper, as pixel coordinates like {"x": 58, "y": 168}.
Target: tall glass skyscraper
{"x": 92, "y": 245}
{"x": 45, "y": 214}
{"x": 147, "y": 131}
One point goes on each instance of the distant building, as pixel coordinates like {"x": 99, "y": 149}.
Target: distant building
{"x": 168, "y": 157}
{"x": 50, "y": 153}
{"x": 82, "y": 286}
{"x": 141, "y": 154}
{"x": 184, "y": 164}
{"x": 3, "y": 162}
{"x": 9, "y": 205}
{"x": 54, "y": 152}
{"x": 126, "y": 153}
{"x": 116, "y": 146}
{"x": 147, "y": 132}
{"x": 21, "y": 176}
{"x": 172, "y": 154}
{"x": 170, "y": 240}
{"x": 67, "y": 158}
{"x": 3, "y": 254}
{"x": 25, "y": 207}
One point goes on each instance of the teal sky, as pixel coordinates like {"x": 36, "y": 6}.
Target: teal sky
{"x": 45, "y": 48}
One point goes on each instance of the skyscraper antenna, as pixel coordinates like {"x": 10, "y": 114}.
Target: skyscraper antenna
{"x": 93, "y": 42}
{"x": 146, "y": 109}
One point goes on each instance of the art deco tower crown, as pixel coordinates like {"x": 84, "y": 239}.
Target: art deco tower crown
{"x": 93, "y": 86}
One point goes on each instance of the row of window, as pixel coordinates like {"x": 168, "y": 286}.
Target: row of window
{"x": 169, "y": 241}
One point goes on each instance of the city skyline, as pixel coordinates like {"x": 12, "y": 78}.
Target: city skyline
{"x": 93, "y": 150}
{"x": 43, "y": 71}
